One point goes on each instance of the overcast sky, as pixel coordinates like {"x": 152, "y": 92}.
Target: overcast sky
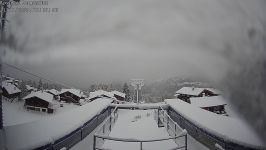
{"x": 101, "y": 40}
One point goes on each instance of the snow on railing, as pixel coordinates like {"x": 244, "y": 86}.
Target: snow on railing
{"x": 105, "y": 128}
{"x": 172, "y": 127}
{"x": 179, "y": 133}
{"x": 182, "y": 134}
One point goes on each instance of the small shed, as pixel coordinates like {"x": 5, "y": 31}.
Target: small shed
{"x": 71, "y": 95}
{"x": 214, "y": 104}
{"x": 39, "y": 101}
{"x": 10, "y": 90}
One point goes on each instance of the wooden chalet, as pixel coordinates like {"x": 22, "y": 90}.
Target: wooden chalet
{"x": 119, "y": 95}
{"x": 71, "y": 95}
{"x": 100, "y": 94}
{"x": 39, "y": 101}
{"x": 10, "y": 90}
{"x": 54, "y": 92}
{"x": 214, "y": 104}
{"x": 30, "y": 88}
{"x": 186, "y": 93}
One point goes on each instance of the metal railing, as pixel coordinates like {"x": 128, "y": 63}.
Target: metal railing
{"x": 172, "y": 128}
{"x": 177, "y": 134}
{"x": 182, "y": 134}
{"x": 105, "y": 128}
{"x": 203, "y": 136}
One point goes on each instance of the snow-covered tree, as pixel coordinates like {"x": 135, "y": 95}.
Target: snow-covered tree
{"x": 40, "y": 85}
{"x": 24, "y": 91}
{"x": 92, "y": 88}
{"x": 127, "y": 92}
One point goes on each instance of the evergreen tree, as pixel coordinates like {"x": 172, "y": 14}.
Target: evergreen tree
{"x": 127, "y": 92}
{"x": 34, "y": 84}
{"x": 92, "y": 88}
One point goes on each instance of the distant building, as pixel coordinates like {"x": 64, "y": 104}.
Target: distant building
{"x": 213, "y": 103}
{"x": 39, "y": 101}
{"x": 101, "y": 94}
{"x": 54, "y": 92}
{"x": 186, "y": 93}
{"x": 71, "y": 95}
{"x": 30, "y": 88}
{"x": 119, "y": 95}
{"x": 10, "y": 90}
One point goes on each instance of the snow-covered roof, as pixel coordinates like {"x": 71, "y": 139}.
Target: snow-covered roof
{"x": 228, "y": 128}
{"x": 10, "y": 88}
{"x": 28, "y": 87}
{"x": 73, "y": 91}
{"x": 118, "y": 93}
{"x": 42, "y": 95}
{"x": 100, "y": 93}
{"x": 48, "y": 130}
{"x": 214, "y": 91}
{"x": 195, "y": 91}
{"x": 53, "y": 91}
{"x": 9, "y": 78}
{"x": 8, "y": 81}
{"x": 190, "y": 91}
{"x": 207, "y": 101}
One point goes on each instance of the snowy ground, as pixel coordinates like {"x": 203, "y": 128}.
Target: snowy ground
{"x": 138, "y": 124}
{"x": 47, "y": 130}
{"x": 14, "y": 113}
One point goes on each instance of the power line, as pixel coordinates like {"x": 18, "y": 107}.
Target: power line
{"x": 37, "y": 75}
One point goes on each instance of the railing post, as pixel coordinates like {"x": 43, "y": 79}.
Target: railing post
{"x": 103, "y": 128}
{"x": 167, "y": 123}
{"x": 140, "y": 145}
{"x": 186, "y": 142}
{"x": 158, "y": 116}
{"x": 110, "y": 127}
{"x": 94, "y": 142}
{"x": 175, "y": 129}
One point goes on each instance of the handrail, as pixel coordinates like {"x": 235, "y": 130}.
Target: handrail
{"x": 183, "y": 133}
{"x": 106, "y": 120}
{"x": 168, "y": 116}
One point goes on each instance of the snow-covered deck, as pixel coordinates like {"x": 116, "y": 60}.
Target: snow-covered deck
{"x": 140, "y": 125}
{"x": 227, "y": 128}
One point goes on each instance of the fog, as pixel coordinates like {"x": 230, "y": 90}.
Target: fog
{"x": 222, "y": 41}
{"x": 118, "y": 40}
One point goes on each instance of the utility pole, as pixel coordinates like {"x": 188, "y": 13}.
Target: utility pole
{"x": 3, "y": 11}
{"x": 2, "y": 16}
